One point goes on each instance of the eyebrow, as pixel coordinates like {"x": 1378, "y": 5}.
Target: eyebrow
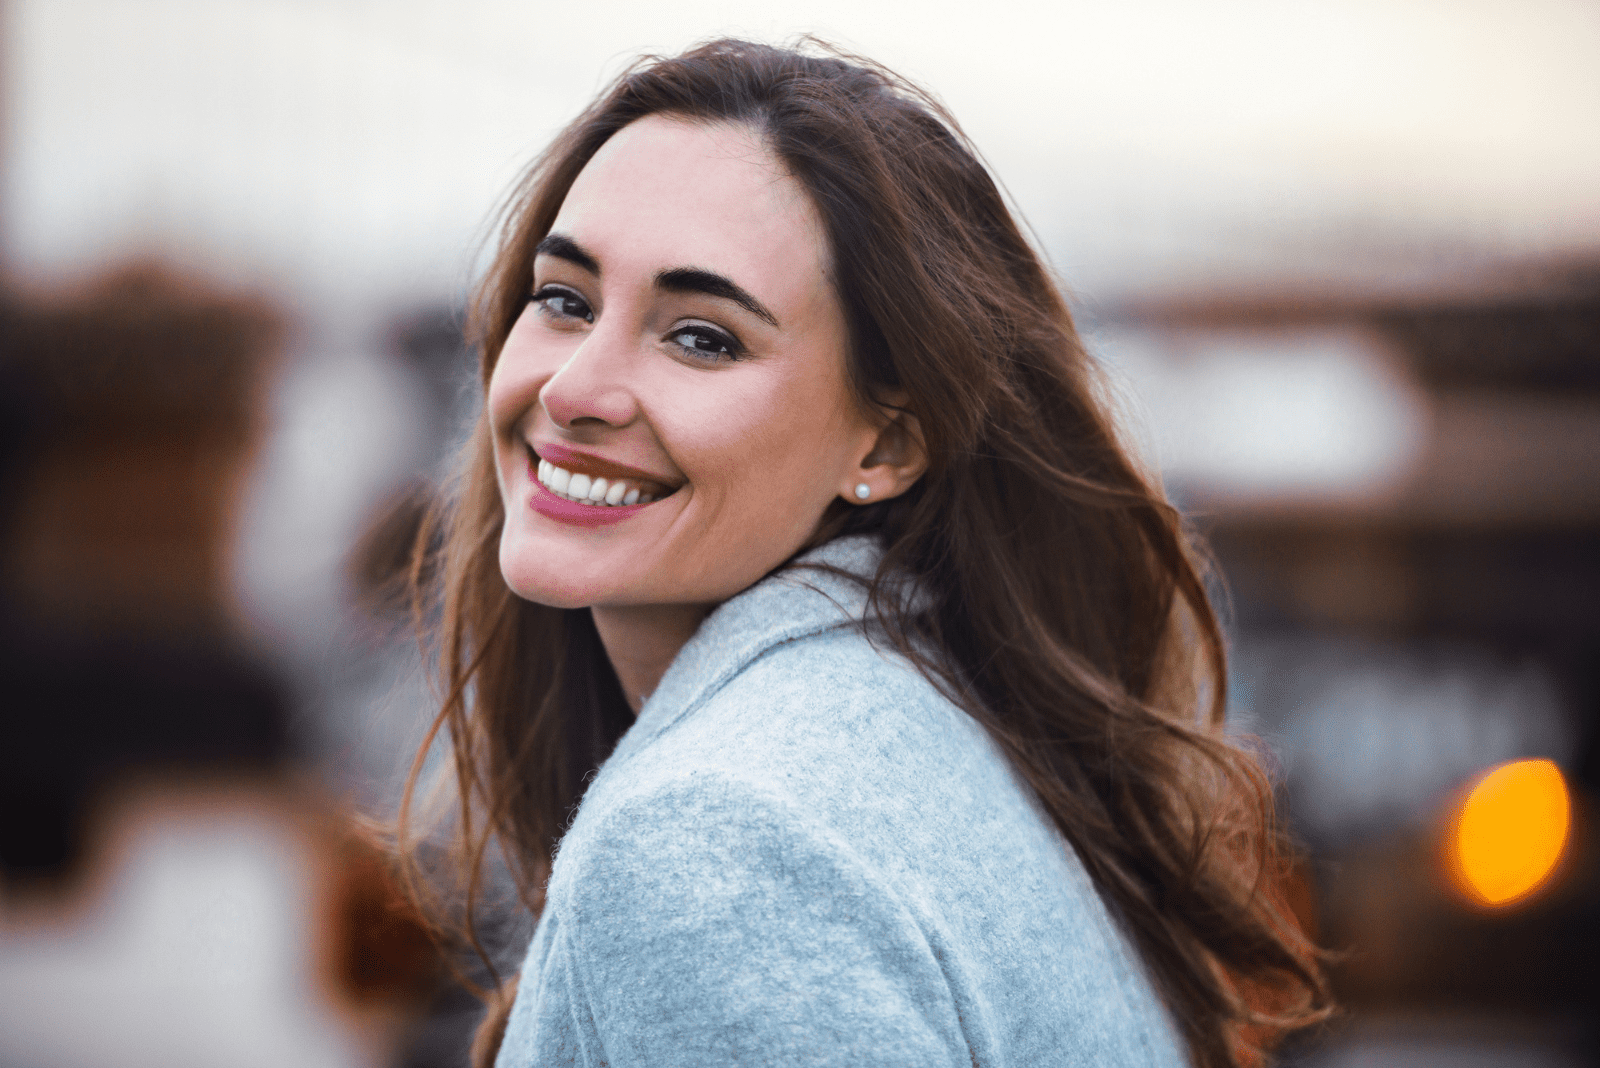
{"x": 695, "y": 280}
{"x": 673, "y": 280}
{"x": 564, "y": 248}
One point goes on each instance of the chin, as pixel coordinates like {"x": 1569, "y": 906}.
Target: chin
{"x": 535, "y": 576}
{"x": 551, "y": 597}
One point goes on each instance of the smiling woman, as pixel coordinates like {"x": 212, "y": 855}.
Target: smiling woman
{"x": 798, "y": 589}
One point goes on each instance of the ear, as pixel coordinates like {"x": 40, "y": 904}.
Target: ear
{"x": 897, "y": 458}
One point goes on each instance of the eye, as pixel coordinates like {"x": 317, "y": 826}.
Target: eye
{"x": 563, "y": 303}
{"x": 706, "y": 342}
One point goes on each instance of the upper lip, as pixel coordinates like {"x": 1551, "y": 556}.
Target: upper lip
{"x": 583, "y": 463}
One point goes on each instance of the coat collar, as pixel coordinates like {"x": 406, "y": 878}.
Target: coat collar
{"x": 791, "y": 603}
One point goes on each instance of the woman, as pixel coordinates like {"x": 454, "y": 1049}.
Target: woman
{"x": 794, "y": 512}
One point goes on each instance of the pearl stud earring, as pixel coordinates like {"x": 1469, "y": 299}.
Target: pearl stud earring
{"x": 863, "y": 491}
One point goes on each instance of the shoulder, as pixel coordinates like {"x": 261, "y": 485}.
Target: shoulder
{"x": 803, "y": 770}
{"x": 706, "y": 913}
{"x": 828, "y": 757}
{"x": 687, "y": 839}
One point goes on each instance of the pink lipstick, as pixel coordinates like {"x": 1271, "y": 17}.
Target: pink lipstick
{"x": 563, "y": 509}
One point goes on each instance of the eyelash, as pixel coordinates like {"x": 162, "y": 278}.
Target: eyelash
{"x": 546, "y": 294}
{"x": 727, "y": 343}
{"x": 730, "y": 345}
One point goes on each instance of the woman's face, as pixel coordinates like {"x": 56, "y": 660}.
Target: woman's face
{"x": 683, "y": 343}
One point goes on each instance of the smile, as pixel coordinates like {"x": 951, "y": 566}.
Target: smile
{"x": 581, "y": 489}
{"x": 587, "y": 490}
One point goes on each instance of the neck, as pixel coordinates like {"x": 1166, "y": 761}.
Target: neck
{"x": 641, "y": 641}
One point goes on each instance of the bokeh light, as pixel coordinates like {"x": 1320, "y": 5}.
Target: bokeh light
{"x": 1510, "y": 832}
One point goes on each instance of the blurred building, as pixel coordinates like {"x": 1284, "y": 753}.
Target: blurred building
{"x": 1403, "y": 493}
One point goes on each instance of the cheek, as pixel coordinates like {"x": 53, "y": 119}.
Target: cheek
{"x": 523, "y": 367}
{"x": 499, "y": 409}
{"x": 768, "y": 450}
{"x": 510, "y": 393}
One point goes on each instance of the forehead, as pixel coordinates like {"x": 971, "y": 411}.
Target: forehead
{"x": 669, "y": 192}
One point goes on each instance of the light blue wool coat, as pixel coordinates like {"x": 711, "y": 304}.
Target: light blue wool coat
{"x": 802, "y": 854}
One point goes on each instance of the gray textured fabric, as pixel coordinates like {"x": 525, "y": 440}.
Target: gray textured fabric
{"x": 801, "y": 854}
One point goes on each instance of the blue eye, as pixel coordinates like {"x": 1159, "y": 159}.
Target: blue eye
{"x": 563, "y": 303}
{"x": 705, "y": 342}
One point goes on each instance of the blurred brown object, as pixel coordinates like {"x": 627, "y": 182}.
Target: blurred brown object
{"x": 137, "y": 404}
{"x": 132, "y": 405}
{"x": 146, "y": 746}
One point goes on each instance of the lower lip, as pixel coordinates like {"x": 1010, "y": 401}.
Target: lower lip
{"x": 562, "y": 510}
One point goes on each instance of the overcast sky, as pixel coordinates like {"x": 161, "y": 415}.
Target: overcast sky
{"x": 350, "y": 150}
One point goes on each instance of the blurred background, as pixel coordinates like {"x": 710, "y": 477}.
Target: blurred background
{"x": 1341, "y": 262}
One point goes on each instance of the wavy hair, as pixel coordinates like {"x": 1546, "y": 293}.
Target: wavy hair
{"x": 1061, "y": 599}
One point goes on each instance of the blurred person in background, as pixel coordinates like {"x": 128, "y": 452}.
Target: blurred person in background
{"x": 798, "y": 589}
{"x": 170, "y": 892}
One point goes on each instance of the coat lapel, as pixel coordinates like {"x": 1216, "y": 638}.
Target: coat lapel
{"x": 789, "y": 604}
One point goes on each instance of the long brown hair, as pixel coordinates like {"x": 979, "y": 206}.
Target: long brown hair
{"x": 1068, "y": 611}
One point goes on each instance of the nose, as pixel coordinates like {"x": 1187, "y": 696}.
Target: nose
{"x": 594, "y": 387}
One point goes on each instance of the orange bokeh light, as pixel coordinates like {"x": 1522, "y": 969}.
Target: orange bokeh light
{"x": 1509, "y": 832}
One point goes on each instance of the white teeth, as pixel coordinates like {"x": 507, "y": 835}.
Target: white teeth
{"x": 586, "y": 490}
